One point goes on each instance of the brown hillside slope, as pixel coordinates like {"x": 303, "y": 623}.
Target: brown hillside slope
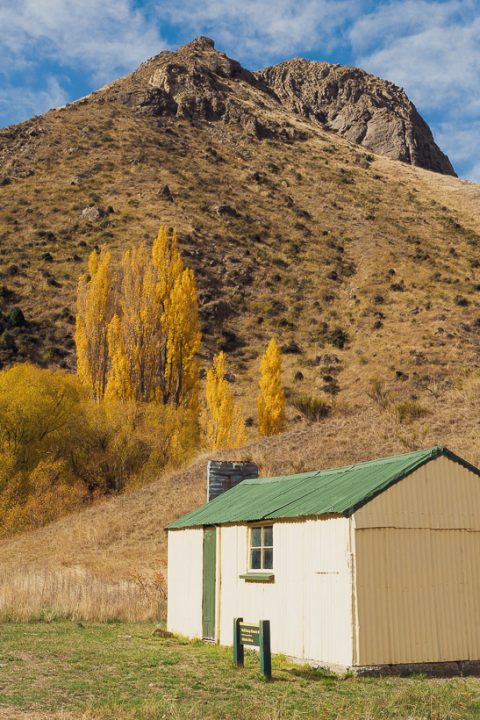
{"x": 364, "y": 267}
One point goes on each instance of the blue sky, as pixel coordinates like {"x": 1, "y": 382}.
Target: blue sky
{"x": 53, "y": 51}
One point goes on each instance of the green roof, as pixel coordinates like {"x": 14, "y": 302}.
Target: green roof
{"x": 340, "y": 490}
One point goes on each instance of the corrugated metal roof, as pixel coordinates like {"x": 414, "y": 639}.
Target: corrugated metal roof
{"x": 339, "y": 490}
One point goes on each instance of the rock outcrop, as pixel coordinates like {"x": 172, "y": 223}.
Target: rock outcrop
{"x": 197, "y": 82}
{"x": 369, "y": 111}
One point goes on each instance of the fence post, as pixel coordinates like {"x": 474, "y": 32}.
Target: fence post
{"x": 265, "y": 654}
{"x": 238, "y": 653}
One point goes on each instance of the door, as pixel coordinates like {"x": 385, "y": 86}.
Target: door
{"x": 209, "y": 573}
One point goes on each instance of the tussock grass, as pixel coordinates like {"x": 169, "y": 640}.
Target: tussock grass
{"x": 76, "y": 594}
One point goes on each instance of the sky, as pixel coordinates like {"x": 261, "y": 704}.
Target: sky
{"x": 54, "y": 51}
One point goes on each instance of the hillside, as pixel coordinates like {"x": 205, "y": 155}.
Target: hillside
{"x": 363, "y": 266}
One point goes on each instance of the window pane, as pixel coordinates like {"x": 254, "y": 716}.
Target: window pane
{"x": 256, "y": 560}
{"x": 268, "y": 559}
{"x": 256, "y": 537}
{"x": 268, "y": 536}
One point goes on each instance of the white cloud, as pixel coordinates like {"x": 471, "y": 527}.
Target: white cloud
{"x": 19, "y": 102}
{"x": 261, "y": 30}
{"x": 104, "y": 37}
{"x": 435, "y": 53}
{"x": 459, "y": 139}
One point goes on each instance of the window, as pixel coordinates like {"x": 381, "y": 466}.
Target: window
{"x": 261, "y": 547}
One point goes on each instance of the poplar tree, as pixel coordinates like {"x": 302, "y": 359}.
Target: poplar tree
{"x": 95, "y": 305}
{"x": 225, "y": 427}
{"x": 154, "y": 337}
{"x": 271, "y": 399}
{"x": 133, "y": 331}
{"x": 181, "y": 328}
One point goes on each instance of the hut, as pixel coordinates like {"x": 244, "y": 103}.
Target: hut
{"x": 371, "y": 566}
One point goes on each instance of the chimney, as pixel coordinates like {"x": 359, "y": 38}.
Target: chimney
{"x": 223, "y": 475}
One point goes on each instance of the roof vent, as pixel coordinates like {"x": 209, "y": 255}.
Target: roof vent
{"x": 223, "y": 475}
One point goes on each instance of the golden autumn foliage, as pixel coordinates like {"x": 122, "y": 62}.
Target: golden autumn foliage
{"x": 94, "y": 313}
{"x": 225, "y": 427}
{"x": 59, "y": 448}
{"x": 138, "y": 330}
{"x": 271, "y": 399}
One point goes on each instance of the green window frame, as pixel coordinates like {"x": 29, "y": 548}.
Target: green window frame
{"x": 260, "y": 548}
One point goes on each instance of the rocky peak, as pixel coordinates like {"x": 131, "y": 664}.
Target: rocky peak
{"x": 285, "y": 101}
{"x": 360, "y": 107}
{"x": 198, "y": 82}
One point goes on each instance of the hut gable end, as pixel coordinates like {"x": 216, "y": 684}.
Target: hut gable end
{"x": 441, "y": 494}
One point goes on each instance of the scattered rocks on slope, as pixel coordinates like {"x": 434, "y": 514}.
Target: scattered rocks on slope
{"x": 92, "y": 213}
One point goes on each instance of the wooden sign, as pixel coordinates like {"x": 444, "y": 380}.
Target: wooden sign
{"x": 250, "y": 634}
{"x": 256, "y": 634}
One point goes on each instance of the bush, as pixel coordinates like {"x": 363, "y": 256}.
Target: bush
{"x": 313, "y": 408}
{"x": 7, "y": 341}
{"x": 59, "y": 449}
{"x": 410, "y": 410}
{"x": 378, "y": 393}
{"x": 16, "y": 318}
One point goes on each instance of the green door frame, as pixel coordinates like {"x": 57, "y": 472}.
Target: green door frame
{"x": 209, "y": 582}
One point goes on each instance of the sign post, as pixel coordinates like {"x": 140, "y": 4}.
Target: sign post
{"x": 256, "y": 634}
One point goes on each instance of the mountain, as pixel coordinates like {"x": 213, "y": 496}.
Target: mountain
{"x": 199, "y": 83}
{"x": 364, "y": 267}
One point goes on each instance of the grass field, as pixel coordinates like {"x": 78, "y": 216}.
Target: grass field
{"x": 72, "y": 671}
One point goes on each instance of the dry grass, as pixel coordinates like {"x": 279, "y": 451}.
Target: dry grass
{"x": 45, "y": 593}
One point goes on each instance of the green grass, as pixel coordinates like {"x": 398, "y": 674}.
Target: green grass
{"x": 121, "y": 671}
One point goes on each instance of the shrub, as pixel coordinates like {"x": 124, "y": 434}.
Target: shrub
{"x": 16, "y": 318}
{"x": 7, "y": 341}
{"x": 313, "y": 408}
{"x": 60, "y": 449}
{"x": 410, "y": 410}
{"x": 378, "y": 393}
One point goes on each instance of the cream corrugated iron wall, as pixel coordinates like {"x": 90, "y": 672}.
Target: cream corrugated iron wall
{"x": 310, "y": 603}
{"x": 185, "y": 582}
{"x": 418, "y": 569}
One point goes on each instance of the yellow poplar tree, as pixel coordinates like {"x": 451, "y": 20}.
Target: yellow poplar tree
{"x": 225, "y": 427}
{"x": 94, "y": 312}
{"x": 132, "y": 331}
{"x": 181, "y": 326}
{"x": 154, "y": 337}
{"x": 271, "y": 400}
